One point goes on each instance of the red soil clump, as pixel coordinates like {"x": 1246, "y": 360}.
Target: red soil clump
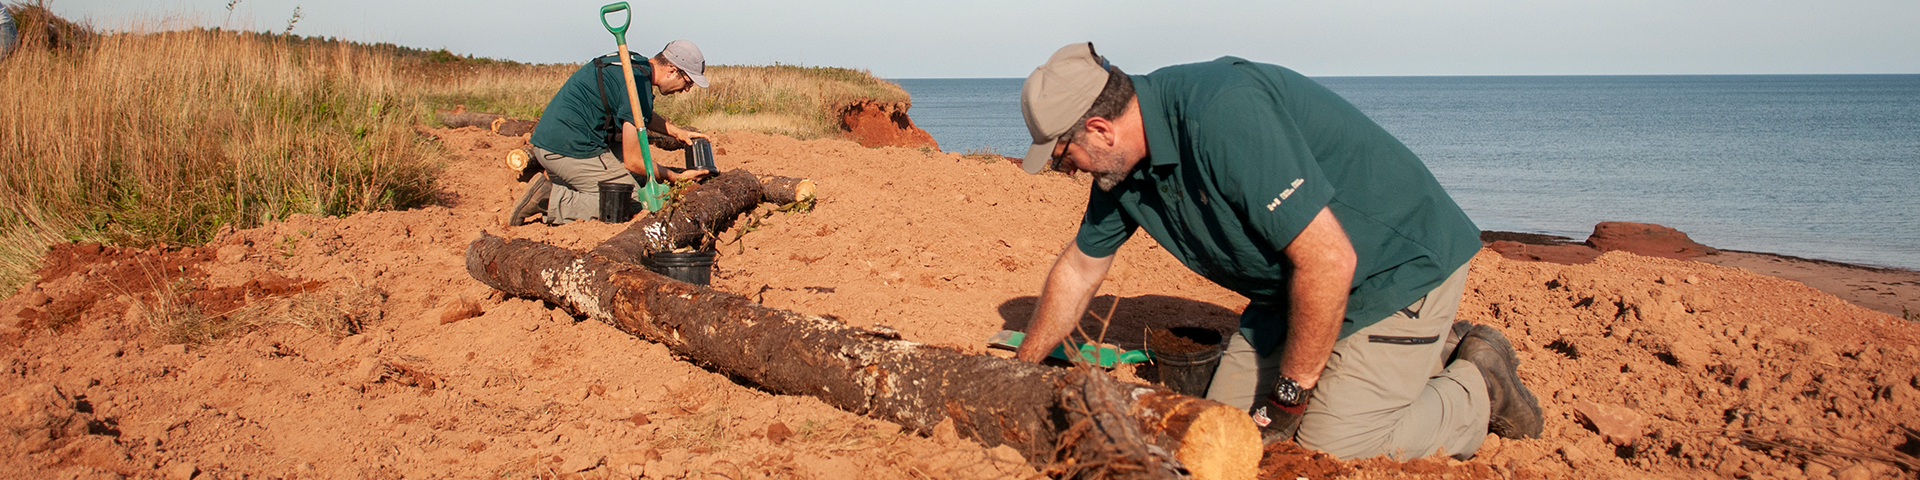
{"x": 880, "y": 124}
{"x": 1731, "y": 374}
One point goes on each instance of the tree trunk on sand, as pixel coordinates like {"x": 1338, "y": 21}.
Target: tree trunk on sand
{"x": 702, "y": 213}
{"x": 499, "y": 124}
{"x": 1069, "y": 422}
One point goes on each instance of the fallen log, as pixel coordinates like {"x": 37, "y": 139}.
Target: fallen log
{"x": 1069, "y": 422}
{"x": 702, "y": 213}
{"x": 498, "y": 124}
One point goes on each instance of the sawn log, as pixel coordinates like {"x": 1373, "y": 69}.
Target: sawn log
{"x": 702, "y": 214}
{"x": 1068, "y": 422}
{"x": 495, "y": 123}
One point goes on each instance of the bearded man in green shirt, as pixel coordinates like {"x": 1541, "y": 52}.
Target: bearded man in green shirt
{"x": 1353, "y": 257}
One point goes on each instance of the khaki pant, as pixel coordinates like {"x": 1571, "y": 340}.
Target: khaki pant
{"x": 576, "y": 183}
{"x": 1385, "y": 390}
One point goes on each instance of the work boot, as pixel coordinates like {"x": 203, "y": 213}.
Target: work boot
{"x": 534, "y": 202}
{"x": 1515, "y": 413}
{"x": 1459, "y": 331}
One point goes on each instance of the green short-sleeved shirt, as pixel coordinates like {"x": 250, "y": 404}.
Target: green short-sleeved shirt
{"x": 1242, "y": 155}
{"x": 571, "y": 124}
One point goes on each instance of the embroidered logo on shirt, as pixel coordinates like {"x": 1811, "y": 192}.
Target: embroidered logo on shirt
{"x": 1285, "y": 193}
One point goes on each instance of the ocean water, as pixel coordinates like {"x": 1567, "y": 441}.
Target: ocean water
{"x": 1817, "y": 166}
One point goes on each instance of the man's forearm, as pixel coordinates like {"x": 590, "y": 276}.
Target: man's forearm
{"x": 1318, "y": 303}
{"x": 1323, "y": 260}
{"x": 660, "y": 123}
{"x": 1070, "y": 286}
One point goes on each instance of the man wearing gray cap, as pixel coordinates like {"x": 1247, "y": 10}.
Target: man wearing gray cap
{"x": 587, "y": 134}
{"x": 1351, "y": 254}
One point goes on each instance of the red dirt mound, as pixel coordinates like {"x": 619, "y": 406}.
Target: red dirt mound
{"x": 879, "y": 124}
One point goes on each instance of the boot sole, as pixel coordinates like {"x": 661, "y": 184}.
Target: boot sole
{"x": 518, "y": 216}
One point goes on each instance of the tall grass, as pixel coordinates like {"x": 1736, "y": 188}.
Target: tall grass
{"x": 144, "y": 138}
{"x": 804, "y": 102}
{"x": 141, "y": 138}
{"x": 514, "y": 90}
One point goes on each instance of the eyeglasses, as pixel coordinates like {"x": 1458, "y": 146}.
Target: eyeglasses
{"x": 1059, "y": 157}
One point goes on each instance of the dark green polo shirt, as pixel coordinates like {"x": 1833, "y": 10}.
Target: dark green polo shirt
{"x": 1242, "y": 155}
{"x": 571, "y": 124}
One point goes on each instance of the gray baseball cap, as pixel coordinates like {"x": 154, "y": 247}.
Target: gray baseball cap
{"x": 1056, "y": 95}
{"x": 687, "y": 58}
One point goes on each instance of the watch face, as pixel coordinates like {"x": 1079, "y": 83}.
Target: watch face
{"x": 1287, "y": 392}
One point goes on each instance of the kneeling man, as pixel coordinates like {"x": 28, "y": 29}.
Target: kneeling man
{"x": 1353, "y": 256}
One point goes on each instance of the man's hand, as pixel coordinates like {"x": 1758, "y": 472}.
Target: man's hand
{"x": 1070, "y": 286}
{"x": 1323, "y": 263}
{"x": 684, "y": 175}
{"x": 686, "y": 136}
{"x": 662, "y": 124}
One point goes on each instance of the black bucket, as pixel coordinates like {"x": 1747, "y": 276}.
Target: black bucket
{"x": 691, "y": 267}
{"x": 1187, "y": 357}
{"x": 700, "y": 155}
{"x": 616, "y": 202}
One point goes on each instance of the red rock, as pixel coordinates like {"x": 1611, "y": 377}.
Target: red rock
{"x": 876, "y": 124}
{"x": 1646, "y": 239}
{"x": 1620, "y": 425}
{"x": 778, "y": 433}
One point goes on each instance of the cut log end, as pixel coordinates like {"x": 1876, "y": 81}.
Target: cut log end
{"x": 785, "y": 190}
{"x": 517, "y": 159}
{"x": 1221, "y": 444}
{"x": 803, "y": 191}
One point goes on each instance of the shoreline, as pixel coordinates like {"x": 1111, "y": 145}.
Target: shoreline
{"x": 1890, "y": 290}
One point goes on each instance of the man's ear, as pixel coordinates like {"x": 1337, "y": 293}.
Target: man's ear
{"x": 1102, "y": 129}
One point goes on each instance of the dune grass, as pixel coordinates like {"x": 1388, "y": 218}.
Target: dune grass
{"x": 803, "y": 102}
{"x": 142, "y": 138}
{"x": 135, "y": 139}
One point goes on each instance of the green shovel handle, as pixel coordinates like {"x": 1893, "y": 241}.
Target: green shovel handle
{"x": 620, "y": 32}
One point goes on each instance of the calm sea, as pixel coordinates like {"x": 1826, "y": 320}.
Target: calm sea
{"x": 1818, "y": 166}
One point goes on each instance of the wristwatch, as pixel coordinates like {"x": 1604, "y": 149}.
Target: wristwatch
{"x": 1288, "y": 393}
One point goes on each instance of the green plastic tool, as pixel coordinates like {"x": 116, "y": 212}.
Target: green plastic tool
{"x": 652, "y": 193}
{"x": 1103, "y": 356}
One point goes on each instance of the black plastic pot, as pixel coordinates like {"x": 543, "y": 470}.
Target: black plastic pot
{"x": 691, "y": 267}
{"x": 1190, "y": 373}
{"x": 700, "y": 155}
{"x": 616, "y": 202}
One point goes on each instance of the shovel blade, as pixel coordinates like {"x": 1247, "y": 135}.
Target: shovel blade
{"x": 1087, "y": 353}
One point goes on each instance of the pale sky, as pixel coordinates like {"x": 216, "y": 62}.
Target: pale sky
{"x": 1008, "y": 38}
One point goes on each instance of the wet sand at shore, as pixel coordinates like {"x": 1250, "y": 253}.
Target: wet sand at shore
{"x": 1890, "y": 290}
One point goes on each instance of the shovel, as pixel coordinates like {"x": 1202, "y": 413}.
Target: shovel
{"x": 651, "y": 193}
{"x": 1089, "y": 353}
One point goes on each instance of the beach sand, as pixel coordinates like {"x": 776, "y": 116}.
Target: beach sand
{"x": 1891, "y": 290}
{"x": 1646, "y": 367}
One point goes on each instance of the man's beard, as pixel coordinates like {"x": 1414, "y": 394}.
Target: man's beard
{"x": 1108, "y": 167}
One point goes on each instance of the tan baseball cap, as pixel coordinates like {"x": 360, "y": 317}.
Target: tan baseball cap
{"x": 1056, "y": 95}
{"x": 687, "y": 57}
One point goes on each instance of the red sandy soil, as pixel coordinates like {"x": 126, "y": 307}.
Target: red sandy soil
{"x": 1695, "y": 370}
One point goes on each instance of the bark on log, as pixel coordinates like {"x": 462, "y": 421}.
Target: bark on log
{"x": 702, "y": 213}
{"x": 498, "y": 124}
{"x": 1069, "y": 422}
